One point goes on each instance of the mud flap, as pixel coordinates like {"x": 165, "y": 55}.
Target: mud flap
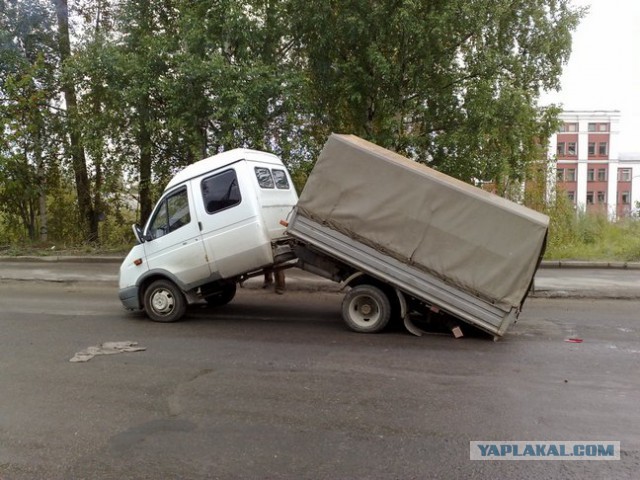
{"x": 406, "y": 318}
{"x": 411, "y": 328}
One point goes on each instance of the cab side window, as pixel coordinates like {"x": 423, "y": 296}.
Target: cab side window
{"x": 273, "y": 178}
{"x": 221, "y": 191}
{"x": 281, "y": 179}
{"x": 265, "y": 180}
{"x": 172, "y": 214}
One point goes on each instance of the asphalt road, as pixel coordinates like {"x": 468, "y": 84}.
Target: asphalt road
{"x": 276, "y": 387}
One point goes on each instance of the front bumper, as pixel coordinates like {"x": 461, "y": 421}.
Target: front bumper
{"x": 130, "y": 298}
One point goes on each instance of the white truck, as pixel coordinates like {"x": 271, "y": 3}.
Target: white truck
{"x": 399, "y": 236}
{"x": 217, "y": 222}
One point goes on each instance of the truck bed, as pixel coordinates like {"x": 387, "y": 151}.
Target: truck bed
{"x": 438, "y": 239}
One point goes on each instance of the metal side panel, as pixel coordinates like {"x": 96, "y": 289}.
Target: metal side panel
{"x": 410, "y": 280}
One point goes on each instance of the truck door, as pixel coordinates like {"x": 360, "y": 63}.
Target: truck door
{"x": 232, "y": 234}
{"x": 174, "y": 243}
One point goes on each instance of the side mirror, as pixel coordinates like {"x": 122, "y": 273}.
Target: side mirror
{"x": 137, "y": 231}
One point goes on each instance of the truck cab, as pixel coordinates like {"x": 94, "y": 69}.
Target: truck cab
{"x": 217, "y": 222}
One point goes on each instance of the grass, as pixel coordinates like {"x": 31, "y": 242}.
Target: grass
{"x": 592, "y": 237}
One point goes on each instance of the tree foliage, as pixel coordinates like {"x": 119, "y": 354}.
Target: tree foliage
{"x": 27, "y": 85}
{"x": 139, "y": 89}
{"x": 451, "y": 83}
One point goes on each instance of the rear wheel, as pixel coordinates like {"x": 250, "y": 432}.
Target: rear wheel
{"x": 223, "y": 296}
{"x": 164, "y": 301}
{"x": 366, "y": 309}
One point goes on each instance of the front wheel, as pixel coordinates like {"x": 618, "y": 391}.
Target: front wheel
{"x": 164, "y": 301}
{"x": 366, "y": 309}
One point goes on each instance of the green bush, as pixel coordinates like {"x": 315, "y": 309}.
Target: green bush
{"x": 116, "y": 232}
{"x": 562, "y": 225}
{"x": 590, "y": 236}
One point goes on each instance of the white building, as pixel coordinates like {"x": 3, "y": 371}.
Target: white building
{"x": 589, "y": 167}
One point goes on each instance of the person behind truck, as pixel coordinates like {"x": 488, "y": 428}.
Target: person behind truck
{"x": 269, "y": 274}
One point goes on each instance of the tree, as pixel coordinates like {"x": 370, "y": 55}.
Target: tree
{"x": 75, "y": 145}
{"x": 198, "y": 78}
{"x": 140, "y": 65}
{"x": 91, "y": 71}
{"x": 27, "y": 93}
{"x": 151, "y": 86}
{"x": 237, "y": 82}
{"x": 452, "y": 83}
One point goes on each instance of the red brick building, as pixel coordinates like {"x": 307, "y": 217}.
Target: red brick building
{"x": 589, "y": 168}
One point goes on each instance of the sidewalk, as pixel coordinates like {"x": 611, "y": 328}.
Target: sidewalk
{"x": 553, "y": 279}
{"x": 105, "y": 270}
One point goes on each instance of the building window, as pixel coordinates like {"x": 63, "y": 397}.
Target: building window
{"x": 590, "y": 175}
{"x": 570, "y": 127}
{"x": 602, "y": 174}
{"x": 571, "y": 148}
{"x": 571, "y": 175}
{"x": 602, "y": 148}
{"x": 592, "y": 127}
{"x": 600, "y": 198}
{"x": 624, "y": 175}
{"x": 603, "y": 127}
{"x": 560, "y": 174}
{"x": 592, "y": 148}
{"x": 571, "y": 196}
{"x": 560, "y": 149}
{"x": 589, "y": 198}
{"x": 626, "y": 198}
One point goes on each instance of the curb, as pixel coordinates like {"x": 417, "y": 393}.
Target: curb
{"x": 584, "y": 294}
{"x": 64, "y": 259}
{"x": 589, "y": 264}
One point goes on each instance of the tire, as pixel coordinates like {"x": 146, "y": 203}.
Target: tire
{"x": 164, "y": 302}
{"x": 366, "y": 309}
{"x": 224, "y": 296}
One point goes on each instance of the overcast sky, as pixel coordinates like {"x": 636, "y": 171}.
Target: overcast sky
{"x": 604, "y": 70}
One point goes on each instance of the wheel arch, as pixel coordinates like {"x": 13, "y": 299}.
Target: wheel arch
{"x": 361, "y": 278}
{"x": 153, "y": 275}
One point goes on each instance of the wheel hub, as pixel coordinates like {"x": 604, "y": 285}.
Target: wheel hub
{"x": 162, "y": 301}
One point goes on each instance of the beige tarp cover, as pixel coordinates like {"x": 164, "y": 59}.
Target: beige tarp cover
{"x": 467, "y": 237}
